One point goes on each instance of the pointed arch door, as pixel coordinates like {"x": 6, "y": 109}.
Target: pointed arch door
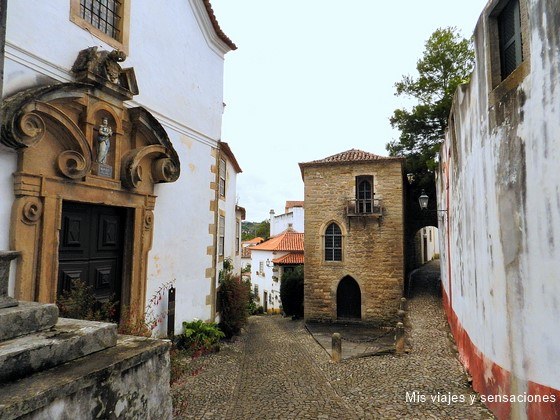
{"x": 348, "y": 299}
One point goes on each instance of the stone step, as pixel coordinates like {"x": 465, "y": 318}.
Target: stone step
{"x": 26, "y": 318}
{"x": 68, "y": 340}
{"x": 130, "y": 380}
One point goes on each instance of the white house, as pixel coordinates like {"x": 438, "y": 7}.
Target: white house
{"x": 426, "y": 243}
{"x": 499, "y": 188}
{"x": 291, "y": 218}
{"x": 269, "y": 260}
{"x": 166, "y": 188}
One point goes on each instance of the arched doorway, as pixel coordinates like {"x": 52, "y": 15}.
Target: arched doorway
{"x": 348, "y": 299}
{"x": 426, "y": 245}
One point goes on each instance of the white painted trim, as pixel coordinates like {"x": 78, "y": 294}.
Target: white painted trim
{"x": 215, "y": 43}
{"x": 35, "y": 63}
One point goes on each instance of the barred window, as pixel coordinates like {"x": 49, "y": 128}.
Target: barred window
{"x": 222, "y": 178}
{"x": 333, "y": 243}
{"x": 509, "y": 28}
{"x": 105, "y": 15}
{"x": 364, "y": 194}
{"x": 237, "y": 233}
{"x": 222, "y": 230}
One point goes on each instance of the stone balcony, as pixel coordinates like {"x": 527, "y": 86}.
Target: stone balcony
{"x": 364, "y": 207}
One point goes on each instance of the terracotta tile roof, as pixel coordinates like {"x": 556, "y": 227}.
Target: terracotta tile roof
{"x": 352, "y": 155}
{"x": 254, "y": 241}
{"x": 291, "y": 259}
{"x": 292, "y": 204}
{"x": 216, "y": 25}
{"x": 288, "y": 240}
{"x": 224, "y": 147}
{"x": 349, "y": 156}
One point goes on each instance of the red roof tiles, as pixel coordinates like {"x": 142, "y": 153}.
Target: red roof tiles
{"x": 352, "y": 155}
{"x": 349, "y": 156}
{"x": 286, "y": 241}
{"x": 216, "y": 25}
{"x": 292, "y": 204}
{"x": 292, "y": 258}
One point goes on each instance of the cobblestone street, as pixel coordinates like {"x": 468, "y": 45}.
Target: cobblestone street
{"x": 277, "y": 370}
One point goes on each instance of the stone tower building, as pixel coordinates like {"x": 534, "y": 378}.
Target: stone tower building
{"x": 354, "y": 241}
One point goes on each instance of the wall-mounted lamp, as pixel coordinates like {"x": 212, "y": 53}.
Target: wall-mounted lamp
{"x": 423, "y": 201}
{"x": 410, "y": 177}
{"x": 269, "y": 263}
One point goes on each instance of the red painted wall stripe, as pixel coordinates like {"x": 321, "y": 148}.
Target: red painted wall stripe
{"x": 498, "y": 380}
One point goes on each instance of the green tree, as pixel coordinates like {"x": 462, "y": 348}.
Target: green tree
{"x": 291, "y": 292}
{"x": 447, "y": 62}
{"x": 263, "y": 229}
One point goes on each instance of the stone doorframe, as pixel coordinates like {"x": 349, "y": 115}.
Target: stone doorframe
{"x": 54, "y": 130}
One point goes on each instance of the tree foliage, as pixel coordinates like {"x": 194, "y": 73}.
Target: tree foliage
{"x": 291, "y": 292}
{"x": 251, "y": 230}
{"x": 447, "y": 62}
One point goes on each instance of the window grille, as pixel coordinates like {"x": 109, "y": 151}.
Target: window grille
{"x": 222, "y": 230}
{"x": 222, "y": 178}
{"x": 105, "y": 15}
{"x": 333, "y": 243}
{"x": 509, "y": 28}
{"x": 364, "y": 194}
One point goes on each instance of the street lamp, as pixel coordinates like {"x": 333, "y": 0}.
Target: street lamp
{"x": 423, "y": 201}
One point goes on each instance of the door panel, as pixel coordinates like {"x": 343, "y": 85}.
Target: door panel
{"x": 91, "y": 248}
{"x": 348, "y": 299}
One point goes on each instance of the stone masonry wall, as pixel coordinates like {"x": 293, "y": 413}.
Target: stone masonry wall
{"x": 373, "y": 254}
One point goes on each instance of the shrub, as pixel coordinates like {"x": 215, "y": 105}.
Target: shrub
{"x": 79, "y": 302}
{"x": 199, "y": 336}
{"x": 233, "y": 301}
{"x": 291, "y": 292}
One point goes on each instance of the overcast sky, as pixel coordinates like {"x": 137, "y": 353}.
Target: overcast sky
{"x": 312, "y": 78}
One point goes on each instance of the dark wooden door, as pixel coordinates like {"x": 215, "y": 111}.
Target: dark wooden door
{"x": 348, "y": 299}
{"x": 91, "y": 248}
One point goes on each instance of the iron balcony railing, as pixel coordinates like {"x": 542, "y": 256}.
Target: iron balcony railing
{"x": 364, "y": 207}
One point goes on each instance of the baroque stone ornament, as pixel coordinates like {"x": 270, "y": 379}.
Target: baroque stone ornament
{"x": 103, "y": 69}
{"x": 32, "y": 210}
{"x": 148, "y": 220}
{"x": 56, "y": 130}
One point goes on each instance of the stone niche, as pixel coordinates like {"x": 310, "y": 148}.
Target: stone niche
{"x": 56, "y": 130}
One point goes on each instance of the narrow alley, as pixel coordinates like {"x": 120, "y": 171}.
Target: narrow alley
{"x": 277, "y": 370}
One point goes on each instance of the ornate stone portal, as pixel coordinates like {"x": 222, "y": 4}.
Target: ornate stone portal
{"x": 55, "y": 130}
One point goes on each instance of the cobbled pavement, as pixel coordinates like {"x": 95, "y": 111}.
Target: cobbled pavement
{"x": 276, "y": 370}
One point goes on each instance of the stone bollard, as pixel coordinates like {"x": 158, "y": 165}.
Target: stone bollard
{"x": 5, "y": 258}
{"x": 402, "y": 304}
{"x": 336, "y": 355}
{"x": 399, "y": 338}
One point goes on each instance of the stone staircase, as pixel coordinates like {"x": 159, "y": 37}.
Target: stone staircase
{"x": 53, "y": 367}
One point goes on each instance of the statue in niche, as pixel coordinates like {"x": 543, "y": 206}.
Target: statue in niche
{"x": 103, "y": 140}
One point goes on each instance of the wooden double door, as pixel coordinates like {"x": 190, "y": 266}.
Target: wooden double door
{"x": 91, "y": 248}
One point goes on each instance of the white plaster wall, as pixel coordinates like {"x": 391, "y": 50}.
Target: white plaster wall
{"x": 178, "y": 75}
{"x": 504, "y": 251}
{"x": 180, "y": 79}
{"x": 228, "y": 206}
{"x": 266, "y": 283}
{"x": 8, "y": 161}
{"x": 280, "y": 223}
{"x": 181, "y": 236}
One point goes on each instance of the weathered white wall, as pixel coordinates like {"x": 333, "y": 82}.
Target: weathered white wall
{"x": 500, "y": 242}
{"x": 180, "y": 78}
{"x": 280, "y": 223}
{"x": 265, "y": 282}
